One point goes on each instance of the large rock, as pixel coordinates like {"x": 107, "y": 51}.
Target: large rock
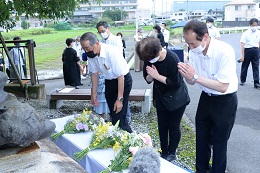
{"x": 20, "y": 125}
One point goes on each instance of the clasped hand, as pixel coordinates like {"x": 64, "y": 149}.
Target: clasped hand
{"x": 152, "y": 71}
{"x": 186, "y": 70}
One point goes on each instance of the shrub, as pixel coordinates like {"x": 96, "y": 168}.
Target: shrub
{"x": 62, "y": 26}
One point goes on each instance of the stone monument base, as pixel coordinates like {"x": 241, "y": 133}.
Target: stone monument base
{"x": 19, "y": 157}
{"x": 43, "y": 157}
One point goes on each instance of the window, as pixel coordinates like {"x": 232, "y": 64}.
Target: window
{"x": 238, "y": 8}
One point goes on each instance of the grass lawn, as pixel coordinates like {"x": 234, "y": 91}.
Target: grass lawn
{"x": 49, "y": 47}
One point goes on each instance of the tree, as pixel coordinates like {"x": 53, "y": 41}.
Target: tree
{"x": 25, "y": 24}
{"x": 11, "y": 10}
{"x": 115, "y": 15}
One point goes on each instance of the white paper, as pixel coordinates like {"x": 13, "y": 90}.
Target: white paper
{"x": 66, "y": 90}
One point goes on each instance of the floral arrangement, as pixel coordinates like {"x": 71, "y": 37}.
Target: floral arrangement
{"x": 80, "y": 123}
{"x": 129, "y": 148}
{"x": 104, "y": 136}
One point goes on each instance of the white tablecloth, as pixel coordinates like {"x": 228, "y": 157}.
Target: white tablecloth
{"x": 98, "y": 159}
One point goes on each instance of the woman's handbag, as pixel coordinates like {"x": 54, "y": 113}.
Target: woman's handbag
{"x": 175, "y": 99}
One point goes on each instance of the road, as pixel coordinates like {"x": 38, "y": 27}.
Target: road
{"x": 243, "y": 146}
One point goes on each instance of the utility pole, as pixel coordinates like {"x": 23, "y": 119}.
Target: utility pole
{"x": 121, "y": 10}
{"x": 153, "y": 12}
{"x": 162, "y": 9}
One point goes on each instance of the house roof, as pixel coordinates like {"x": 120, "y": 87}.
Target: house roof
{"x": 82, "y": 13}
{"x": 241, "y": 2}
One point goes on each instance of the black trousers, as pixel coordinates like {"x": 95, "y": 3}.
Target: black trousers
{"x": 169, "y": 128}
{"x": 111, "y": 92}
{"x": 215, "y": 118}
{"x": 251, "y": 55}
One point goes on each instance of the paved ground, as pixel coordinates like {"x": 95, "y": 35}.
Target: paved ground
{"x": 243, "y": 147}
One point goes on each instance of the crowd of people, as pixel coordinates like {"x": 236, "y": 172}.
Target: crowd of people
{"x": 211, "y": 65}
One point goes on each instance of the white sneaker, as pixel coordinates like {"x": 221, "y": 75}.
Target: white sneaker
{"x": 82, "y": 77}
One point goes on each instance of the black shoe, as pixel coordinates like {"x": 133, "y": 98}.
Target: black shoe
{"x": 171, "y": 157}
{"x": 242, "y": 83}
{"x": 257, "y": 86}
{"x": 81, "y": 84}
{"x": 239, "y": 61}
{"x": 76, "y": 87}
{"x": 164, "y": 156}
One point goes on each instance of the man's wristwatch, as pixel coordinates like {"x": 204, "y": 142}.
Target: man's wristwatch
{"x": 120, "y": 99}
{"x": 195, "y": 77}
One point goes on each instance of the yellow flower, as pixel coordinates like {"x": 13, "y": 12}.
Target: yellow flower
{"x": 116, "y": 146}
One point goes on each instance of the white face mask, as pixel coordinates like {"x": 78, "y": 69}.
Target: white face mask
{"x": 154, "y": 60}
{"x": 209, "y": 25}
{"x": 199, "y": 49}
{"x": 104, "y": 35}
{"x": 253, "y": 28}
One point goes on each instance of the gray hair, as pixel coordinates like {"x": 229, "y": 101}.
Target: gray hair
{"x": 92, "y": 38}
{"x": 146, "y": 160}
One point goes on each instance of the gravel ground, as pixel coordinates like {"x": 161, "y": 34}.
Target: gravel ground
{"x": 143, "y": 123}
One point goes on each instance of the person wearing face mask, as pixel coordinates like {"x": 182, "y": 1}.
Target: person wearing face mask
{"x": 160, "y": 68}
{"x": 213, "y": 31}
{"x": 106, "y": 35}
{"x": 212, "y": 66}
{"x": 109, "y": 60}
{"x": 166, "y": 34}
{"x": 71, "y": 65}
{"x": 250, "y": 41}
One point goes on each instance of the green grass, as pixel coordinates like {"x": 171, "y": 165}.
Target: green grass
{"x": 49, "y": 47}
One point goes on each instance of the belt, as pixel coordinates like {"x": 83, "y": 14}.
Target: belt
{"x": 252, "y": 48}
{"x": 215, "y": 95}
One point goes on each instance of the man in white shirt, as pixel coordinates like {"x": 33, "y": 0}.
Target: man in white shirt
{"x": 166, "y": 34}
{"x": 212, "y": 66}
{"x": 250, "y": 43}
{"x": 213, "y": 31}
{"x": 106, "y": 35}
{"x": 108, "y": 38}
{"x": 109, "y": 60}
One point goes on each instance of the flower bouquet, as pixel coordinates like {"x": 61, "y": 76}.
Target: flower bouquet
{"x": 80, "y": 123}
{"x": 129, "y": 148}
{"x": 105, "y": 136}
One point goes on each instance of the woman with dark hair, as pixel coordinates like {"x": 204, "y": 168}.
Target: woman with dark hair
{"x": 71, "y": 65}
{"x": 157, "y": 30}
{"x": 119, "y": 34}
{"x": 160, "y": 67}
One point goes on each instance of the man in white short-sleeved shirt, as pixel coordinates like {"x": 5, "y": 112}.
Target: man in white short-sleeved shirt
{"x": 106, "y": 35}
{"x": 166, "y": 34}
{"x": 212, "y": 66}
{"x": 213, "y": 31}
{"x": 250, "y": 43}
{"x": 109, "y": 60}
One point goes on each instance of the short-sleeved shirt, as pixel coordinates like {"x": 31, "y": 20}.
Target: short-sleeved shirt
{"x": 166, "y": 35}
{"x": 110, "y": 62}
{"x": 113, "y": 40}
{"x": 218, "y": 64}
{"x": 77, "y": 48}
{"x": 251, "y": 39}
{"x": 214, "y": 32}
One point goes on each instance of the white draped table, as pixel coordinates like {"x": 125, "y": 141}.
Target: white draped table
{"x": 98, "y": 159}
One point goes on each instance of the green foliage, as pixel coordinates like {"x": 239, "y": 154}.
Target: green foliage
{"x": 26, "y": 33}
{"x": 25, "y": 25}
{"x": 115, "y": 15}
{"x": 62, "y": 26}
{"x": 11, "y": 10}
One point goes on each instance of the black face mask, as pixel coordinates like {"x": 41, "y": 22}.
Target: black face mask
{"x": 91, "y": 54}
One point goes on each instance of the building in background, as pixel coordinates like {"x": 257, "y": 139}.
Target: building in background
{"x": 242, "y": 10}
{"x": 130, "y": 6}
